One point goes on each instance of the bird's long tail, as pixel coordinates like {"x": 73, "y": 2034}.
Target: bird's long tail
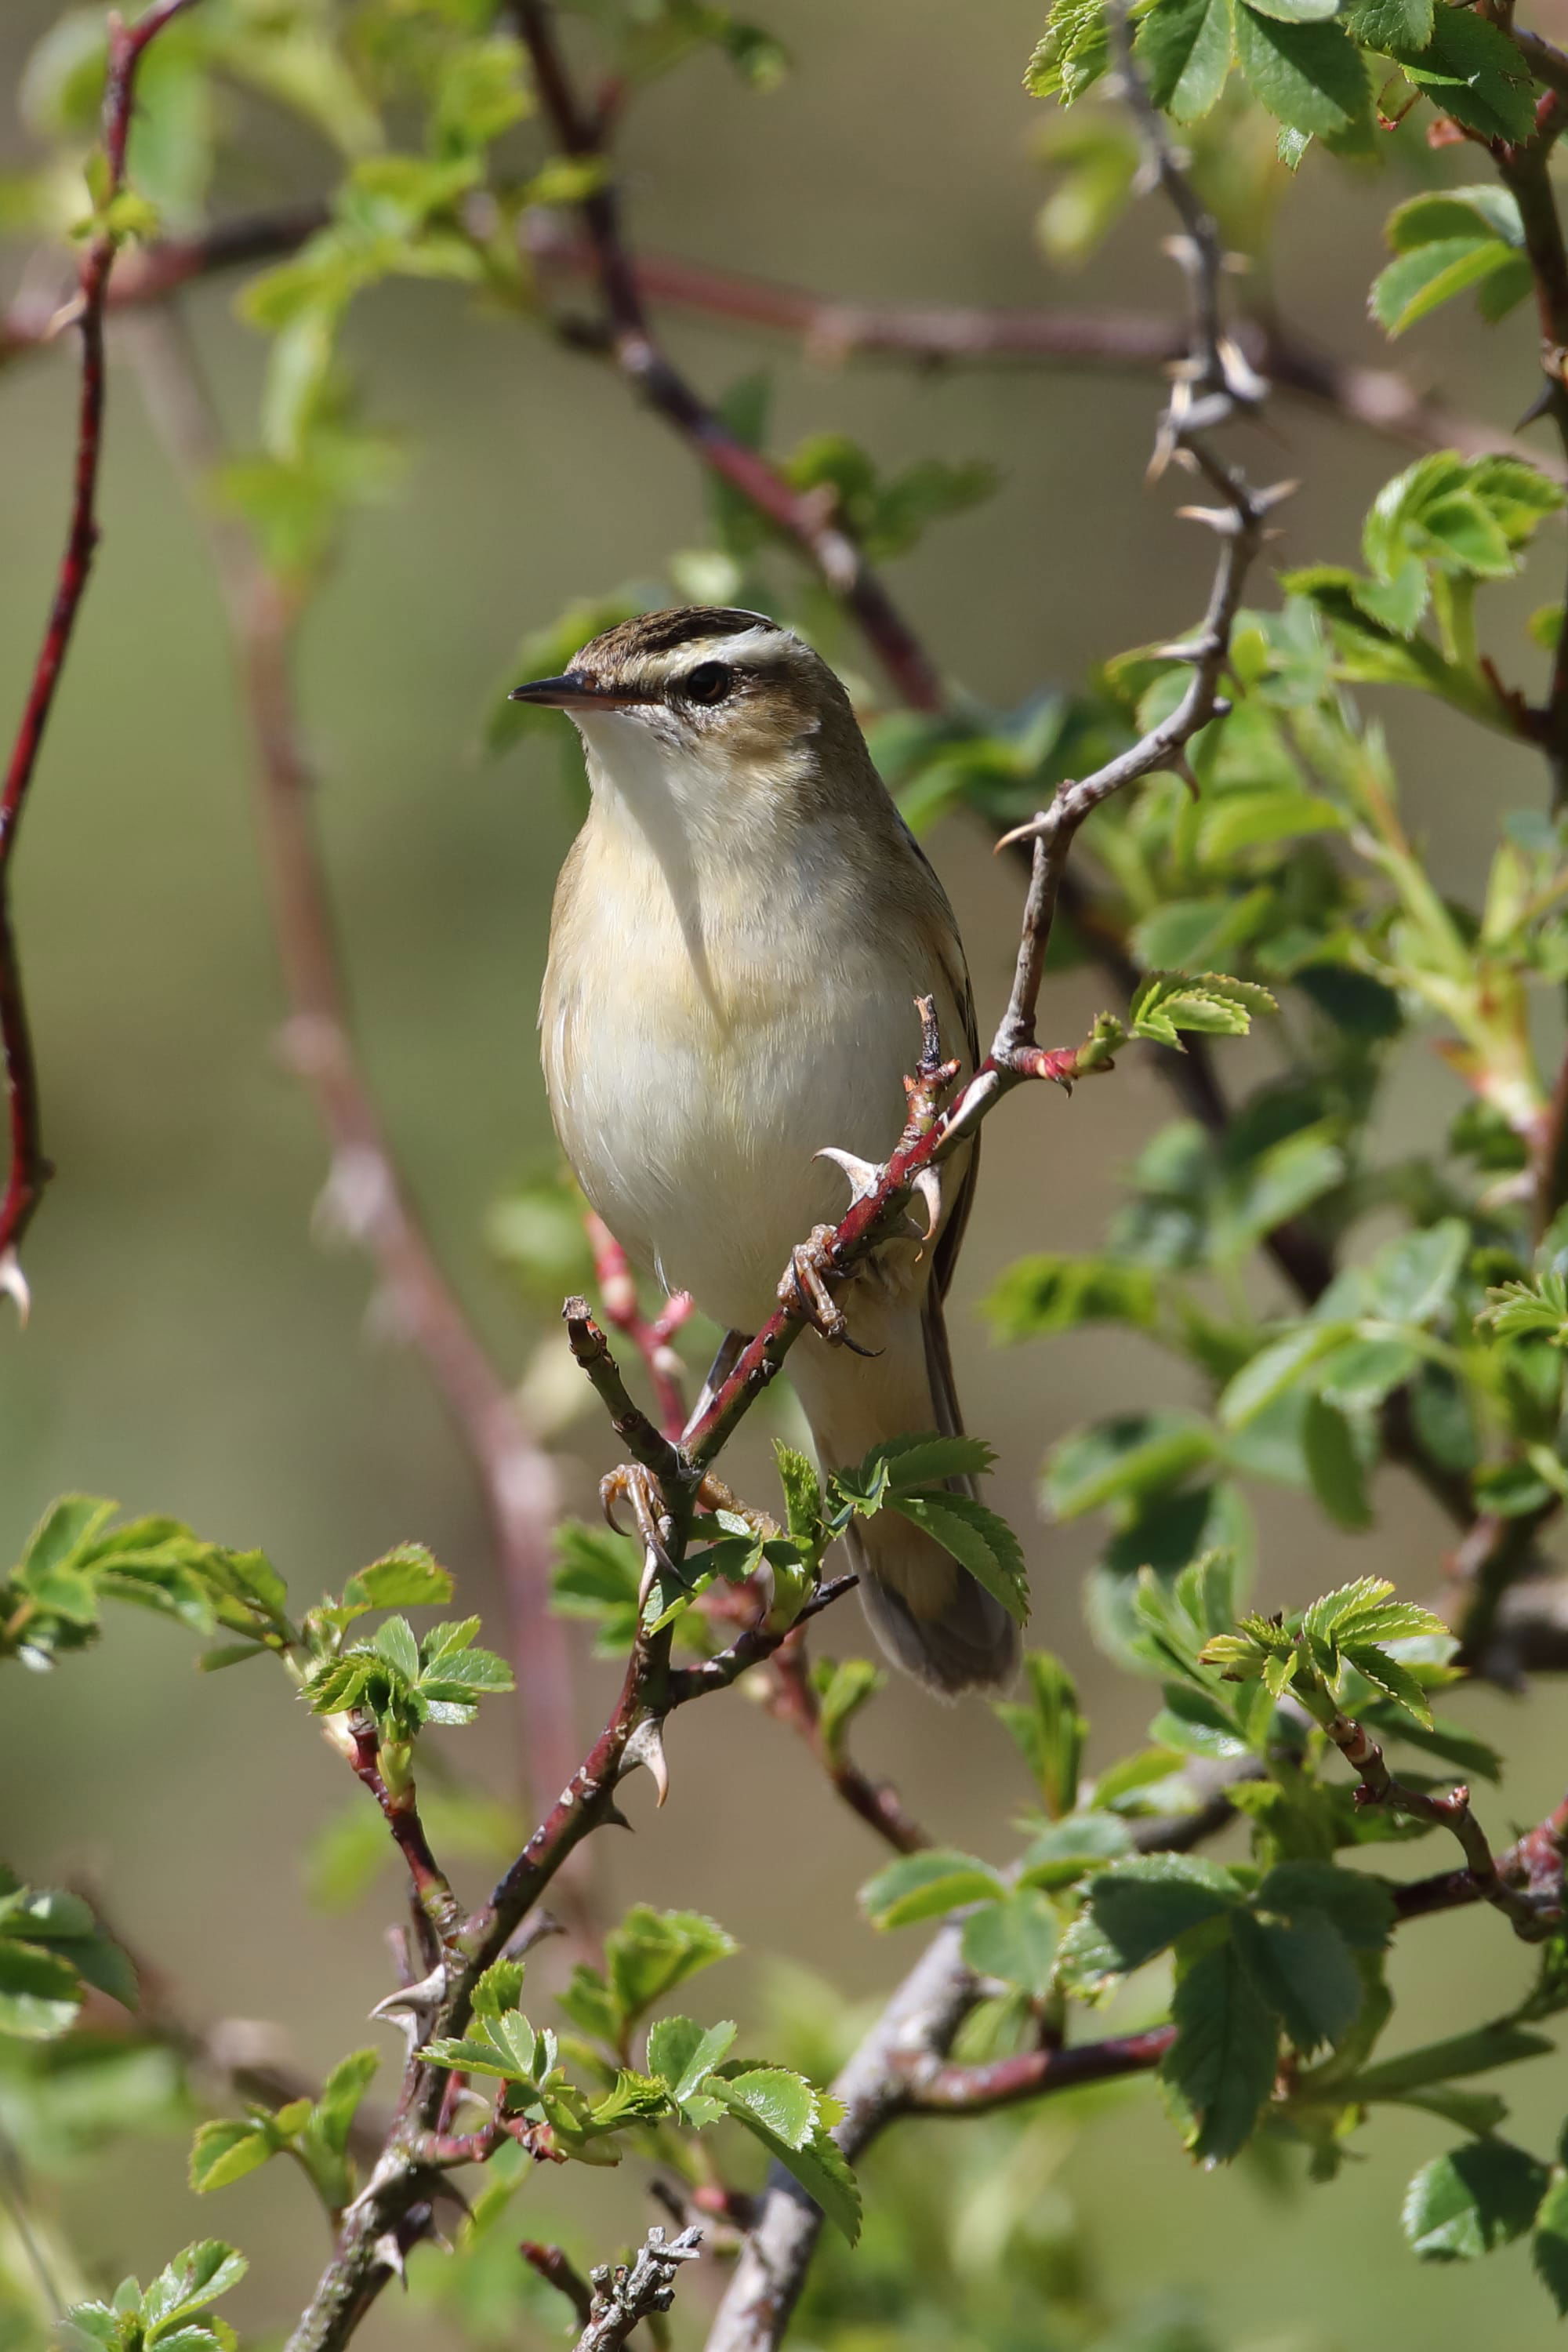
{"x": 929, "y": 1614}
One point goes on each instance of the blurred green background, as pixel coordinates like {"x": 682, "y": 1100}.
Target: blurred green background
{"x": 192, "y": 1351}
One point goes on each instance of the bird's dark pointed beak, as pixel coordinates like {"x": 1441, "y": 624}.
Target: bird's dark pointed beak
{"x": 574, "y": 690}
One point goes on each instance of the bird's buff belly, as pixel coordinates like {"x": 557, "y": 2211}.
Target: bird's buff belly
{"x": 698, "y": 1151}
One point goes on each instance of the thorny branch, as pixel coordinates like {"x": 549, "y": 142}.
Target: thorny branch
{"x": 833, "y": 330}
{"x": 618, "y": 1296}
{"x": 624, "y": 2297}
{"x": 29, "y": 1170}
{"x": 1534, "y": 1914}
{"x": 365, "y": 1198}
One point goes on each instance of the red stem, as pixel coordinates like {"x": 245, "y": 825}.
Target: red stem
{"x": 29, "y": 1170}
{"x": 965, "y": 2090}
{"x": 618, "y": 1296}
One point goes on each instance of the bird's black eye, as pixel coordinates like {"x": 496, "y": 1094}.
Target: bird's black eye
{"x": 710, "y": 682}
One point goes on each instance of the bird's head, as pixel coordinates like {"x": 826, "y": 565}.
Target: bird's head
{"x": 712, "y": 685}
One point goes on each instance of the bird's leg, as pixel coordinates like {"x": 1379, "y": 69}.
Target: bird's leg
{"x": 730, "y": 1348}
{"x": 632, "y": 1484}
{"x": 805, "y": 1291}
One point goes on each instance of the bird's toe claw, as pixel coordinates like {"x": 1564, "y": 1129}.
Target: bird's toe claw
{"x": 804, "y": 1292}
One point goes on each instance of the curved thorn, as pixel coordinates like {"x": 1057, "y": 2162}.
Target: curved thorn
{"x": 646, "y": 1746}
{"x": 14, "y": 1285}
{"x": 928, "y": 1185}
{"x": 863, "y": 1176}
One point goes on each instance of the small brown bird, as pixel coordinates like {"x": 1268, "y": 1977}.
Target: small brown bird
{"x": 738, "y": 933}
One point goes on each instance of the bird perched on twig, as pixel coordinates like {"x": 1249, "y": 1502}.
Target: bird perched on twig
{"x": 738, "y": 933}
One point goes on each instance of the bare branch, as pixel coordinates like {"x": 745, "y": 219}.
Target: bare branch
{"x": 618, "y": 1296}
{"x": 557, "y": 2269}
{"x": 625, "y": 2297}
{"x": 29, "y": 1170}
{"x": 647, "y": 368}
{"x": 1534, "y": 1914}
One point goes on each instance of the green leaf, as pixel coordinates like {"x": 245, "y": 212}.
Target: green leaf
{"x": 803, "y": 1494}
{"x": 821, "y": 2169}
{"x": 922, "y": 1461}
{"x": 40, "y": 1992}
{"x": 193, "y": 2279}
{"x": 1360, "y": 1908}
{"x": 1549, "y": 2247}
{"x": 1305, "y": 1973}
{"x": 1334, "y": 1465}
{"x": 1414, "y": 1278}
{"x": 1472, "y": 2200}
{"x": 1073, "y": 52}
{"x": 1389, "y": 1676}
{"x": 1474, "y": 2053}
{"x": 1389, "y": 25}
{"x": 928, "y": 1885}
{"x": 226, "y": 2151}
{"x": 395, "y": 1642}
{"x": 1278, "y": 1367}
{"x": 682, "y": 2053}
{"x": 1050, "y": 1730}
{"x": 408, "y": 1577}
{"x": 1166, "y": 1003}
{"x": 1481, "y": 210}
{"x": 1043, "y": 1294}
{"x": 978, "y": 1538}
{"x": 1309, "y": 77}
{"x": 842, "y": 1689}
{"x": 1184, "y": 48}
{"x": 345, "y": 2087}
{"x": 783, "y": 2104}
{"x": 1125, "y": 1460}
{"x": 1016, "y": 1940}
{"x": 653, "y": 1951}
{"x": 1420, "y": 282}
{"x": 499, "y": 1990}
{"x": 1141, "y": 1906}
{"x": 1222, "y": 2062}
{"x": 1471, "y": 70}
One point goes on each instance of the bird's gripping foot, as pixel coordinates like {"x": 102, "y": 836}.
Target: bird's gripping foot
{"x": 805, "y": 1291}
{"x": 634, "y": 1484}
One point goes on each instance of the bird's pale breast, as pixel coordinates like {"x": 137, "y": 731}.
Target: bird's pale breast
{"x": 699, "y": 1055}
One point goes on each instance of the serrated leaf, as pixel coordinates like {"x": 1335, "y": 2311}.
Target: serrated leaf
{"x": 226, "y": 2151}
{"x": 195, "y": 2277}
{"x": 978, "y": 1538}
{"x": 408, "y": 1577}
{"x": 1166, "y": 1003}
{"x": 927, "y": 1885}
{"x": 1360, "y": 1908}
{"x": 653, "y": 1951}
{"x": 1015, "y": 1939}
{"x": 683, "y": 2053}
{"x": 1309, "y": 77}
{"x": 1473, "y": 2199}
{"x": 1046, "y": 1293}
{"x": 1304, "y": 1971}
{"x": 41, "y": 1992}
{"x": 1222, "y": 2062}
{"x": 1419, "y": 282}
{"x": 1549, "y": 2247}
{"x": 1334, "y": 1465}
{"x": 784, "y": 2105}
{"x": 1185, "y": 48}
{"x": 1389, "y": 1676}
{"x": 845, "y": 1687}
{"x": 1050, "y": 1730}
{"x": 395, "y": 1642}
{"x": 1142, "y": 1905}
{"x": 1472, "y": 71}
